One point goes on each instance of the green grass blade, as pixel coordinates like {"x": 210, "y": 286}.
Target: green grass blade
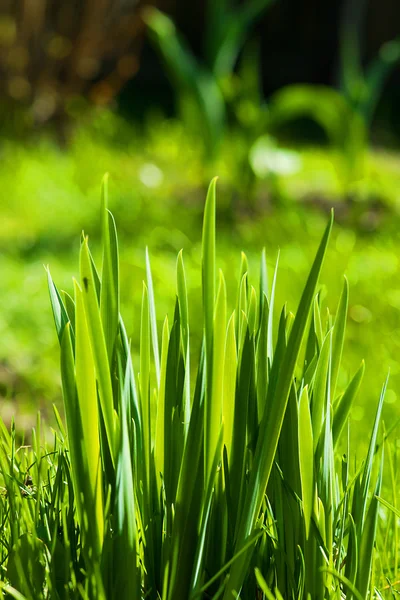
{"x": 271, "y": 312}
{"x": 318, "y": 409}
{"x": 126, "y": 572}
{"x": 241, "y": 298}
{"x": 144, "y": 379}
{"x": 306, "y": 458}
{"x": 263, "y": 585}
{"x": 72, "y": 414}
{"x": 98, "y": 344}
{"x": 319, "y": 334}
{"x": 208, "y": 268}
{"x": 185, "y": 329}
{"x": 368, "y": 539}
{"x": 89, "y": 419}
{"x": 188, "y": 500}
{"x": 229, "y": 384}
{"x": 159, "y": 438}
{"x": 60, "y": 314}
{"x": 262, "y": 359}
{"x": 213, "y": 414}
{"x": 109, "y": 293}
{"x": 263, "y": 279}
{"x": 253, "y": 312}
{"x": 183, "y": 299}
{"x": 207, "y": 499}
{"x": 344, "y": 404}
{"x": 346, "y": 583}
{"x": 153, "y": 318}
{"x": 70, "y": 307}
{"x": 208, "y": 280}
{"x": 394, "y": 510}
{"x": 371, "y": 451}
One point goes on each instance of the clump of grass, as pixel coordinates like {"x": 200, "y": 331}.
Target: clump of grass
{"x": 227, "y": 484}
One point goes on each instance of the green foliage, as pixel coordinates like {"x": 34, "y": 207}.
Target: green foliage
{"x": 362, "y": 85}
{"x": 157, "y": 182}
{"x": 211, "y": 472}
{"x": 201, "y": 86}
{"x": 344, "y": 127}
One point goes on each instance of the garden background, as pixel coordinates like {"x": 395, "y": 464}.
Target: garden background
{"x": 292, "y": 104}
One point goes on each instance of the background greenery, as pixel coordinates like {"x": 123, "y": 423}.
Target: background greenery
{"x": 157, "y": 182}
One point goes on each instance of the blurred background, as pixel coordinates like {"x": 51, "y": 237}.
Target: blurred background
{"x": 293, "y": 103}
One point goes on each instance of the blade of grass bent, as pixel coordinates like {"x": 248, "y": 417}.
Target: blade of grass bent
{"x": 69, "y": 306}
{"x": 344, "y": 404}
{"x": 59, "y": 311}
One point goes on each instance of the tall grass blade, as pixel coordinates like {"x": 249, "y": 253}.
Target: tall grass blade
{"x": 153, "y": 318}
{"x": 344, "y": 404}
{"x": 109, "y": 293}
{"x": 98, "y": 345}
{"x": 208, "y": 279}
{"x": 89, "y": 420}
{"x": 306, "y": 458}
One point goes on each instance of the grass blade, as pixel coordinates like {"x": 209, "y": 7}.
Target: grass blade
{"x": 306, "y": 458}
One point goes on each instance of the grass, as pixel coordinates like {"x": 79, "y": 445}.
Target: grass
{"x": 208, "y": 471}
{"x": 160, "y": 172}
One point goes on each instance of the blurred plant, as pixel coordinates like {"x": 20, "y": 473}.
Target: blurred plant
{"x": 54, "y": 52}
{"x": 363, "y": 86}
{"x": 204, "y": 86}
{"x": 344, "y": 115}
{"x": 343, "y": 126}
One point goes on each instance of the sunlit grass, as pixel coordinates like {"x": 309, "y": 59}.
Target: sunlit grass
{"x": 193, "y": 471}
